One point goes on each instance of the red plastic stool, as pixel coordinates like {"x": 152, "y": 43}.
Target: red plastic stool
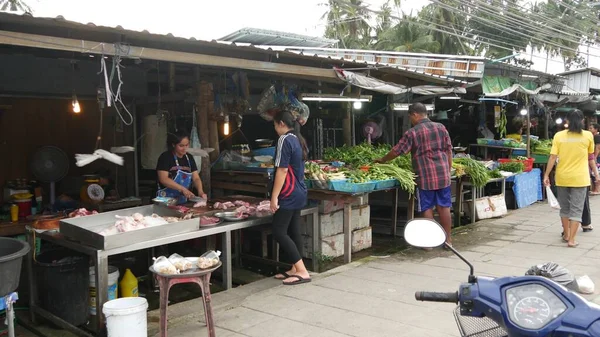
{"x": 200, "y": 277}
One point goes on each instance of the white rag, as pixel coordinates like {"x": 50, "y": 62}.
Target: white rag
{"x": 85, "y": 159}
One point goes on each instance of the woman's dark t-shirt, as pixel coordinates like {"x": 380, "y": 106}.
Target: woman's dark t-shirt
{"x": 166, "y": 162}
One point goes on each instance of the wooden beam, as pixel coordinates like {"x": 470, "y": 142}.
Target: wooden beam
{"x": 108, "y": 48}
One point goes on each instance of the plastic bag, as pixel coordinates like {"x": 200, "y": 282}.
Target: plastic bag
{"x": 180, "y": 262}
{"x": 209, "y": 259}
{"x": 552, "y": 201}
{"x": 585, "y": 285}
{"x": 554, "y": 272}
{"x": 163, "y": 266}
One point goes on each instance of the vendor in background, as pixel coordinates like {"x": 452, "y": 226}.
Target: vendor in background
{"x": 177, "y": 170}
{"x": 431, "y": 149}
{"x": 517, "y": 129}
{"x": 595, "y": 130}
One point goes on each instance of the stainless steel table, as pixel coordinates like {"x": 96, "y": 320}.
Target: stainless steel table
{"x": 100, "y": 257}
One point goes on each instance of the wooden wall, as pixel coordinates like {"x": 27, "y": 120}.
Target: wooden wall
{"x": 29, "y": 123}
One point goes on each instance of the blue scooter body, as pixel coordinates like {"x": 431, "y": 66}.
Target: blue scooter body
{"x": 487, "y": 297}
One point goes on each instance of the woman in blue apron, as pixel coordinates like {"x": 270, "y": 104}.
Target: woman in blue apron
{"x": 177, "y": 171}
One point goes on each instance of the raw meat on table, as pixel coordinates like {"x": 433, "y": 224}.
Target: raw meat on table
{"x": 81, "y": 212}
{"x": 209, "y": 220}
{"x": 180, "y": 209}
{"x": 201, "y": 203}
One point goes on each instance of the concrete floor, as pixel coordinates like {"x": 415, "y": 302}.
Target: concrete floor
{"x": 375, "y": 296}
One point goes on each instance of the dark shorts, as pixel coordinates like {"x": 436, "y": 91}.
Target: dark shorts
{"x": 428, "y": 199}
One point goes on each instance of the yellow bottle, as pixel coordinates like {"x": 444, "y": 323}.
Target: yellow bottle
{"x": 128, "y": 285}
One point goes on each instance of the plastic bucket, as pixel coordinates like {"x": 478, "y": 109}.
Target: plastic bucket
{"x": 126, "y": 317}
{"x": 113, "y": 285}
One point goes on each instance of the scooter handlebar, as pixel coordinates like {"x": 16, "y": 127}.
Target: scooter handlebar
{"x": 427, "y": 296}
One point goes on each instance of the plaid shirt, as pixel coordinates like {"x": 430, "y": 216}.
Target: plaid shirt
{"x": 429, "y": 144}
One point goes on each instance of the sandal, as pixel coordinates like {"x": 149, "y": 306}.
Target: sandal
{"x": 588, "y": 228}
{"x": 573, "y": 246}
{"x": 284, "y": 274}
{"x": 299, "y": 280}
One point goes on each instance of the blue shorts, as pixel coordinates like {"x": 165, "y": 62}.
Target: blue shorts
{"x": 428, "y": 199}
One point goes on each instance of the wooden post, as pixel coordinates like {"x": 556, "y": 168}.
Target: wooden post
{"x": 213, "y": 127}
{"x": 202, "y": 97}
{"x": 347, "y": 123}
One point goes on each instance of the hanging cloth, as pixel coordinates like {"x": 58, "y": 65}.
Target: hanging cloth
{"x": 195, "y": 140}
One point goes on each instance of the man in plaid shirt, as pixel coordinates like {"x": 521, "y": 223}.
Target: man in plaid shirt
{"x": 431, "y": 149}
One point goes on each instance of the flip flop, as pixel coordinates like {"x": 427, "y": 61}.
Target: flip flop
{"x": 299, "y": 281}
{"x": 565, "y": 240}
{"x": 587, "y": 228}
{"x": 573, "y": 246}
{"x": 284, "y": 274}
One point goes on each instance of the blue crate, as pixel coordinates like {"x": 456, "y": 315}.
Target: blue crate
{"x": 386, "y": 184}
{"x": 519, "y": 152}
{"x": 347, "y": 187}
{"x": 267, "y": 151}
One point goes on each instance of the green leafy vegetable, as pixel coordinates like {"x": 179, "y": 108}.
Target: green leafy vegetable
{"x": 405, "y": 177}
{"x": 475, "y": 170}
{"x": 514, "y": 167}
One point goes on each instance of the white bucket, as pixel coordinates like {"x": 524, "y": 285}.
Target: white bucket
{"x": 113, "y": 284}
{"x": 126, "y": 317}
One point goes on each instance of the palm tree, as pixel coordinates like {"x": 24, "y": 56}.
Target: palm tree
{"x": 347, "y": 21}
{"x": 443, "y": 20}
{"x": 14, "y": 6}
{"x": 406, "y": 36}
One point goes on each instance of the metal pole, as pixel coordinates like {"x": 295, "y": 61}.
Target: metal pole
{"x": 136, "y": 177}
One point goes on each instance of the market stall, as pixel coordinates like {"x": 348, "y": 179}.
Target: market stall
{"x": 107, "y": 234}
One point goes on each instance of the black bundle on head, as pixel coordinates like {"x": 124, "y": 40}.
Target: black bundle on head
{"x": 575, "y": 119}
{"x": 175, "y": 138}
{"x": 288, "y": 119}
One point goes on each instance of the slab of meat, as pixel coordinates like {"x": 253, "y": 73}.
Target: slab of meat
{"x": 241, "y": 203}
{"x": 209, "y": 220}
{"x": 81, "y": 212}
{"x": 264, "y": 206}
{"x": 180, "y": 209}
{"x": 223, "y": 205}
{"x": 201, "y": 203}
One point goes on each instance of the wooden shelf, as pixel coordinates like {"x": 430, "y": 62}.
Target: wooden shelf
{"x": 12, "y": 229}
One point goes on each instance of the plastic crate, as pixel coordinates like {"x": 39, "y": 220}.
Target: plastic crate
{"x": 267, "y": 151}
{"x": 348, "y": 187}
{"x": 386, "y": 184}
{"x": 519, "y": 152}
{"x": 528, "y": 163}
{"x": 318, "y": 185}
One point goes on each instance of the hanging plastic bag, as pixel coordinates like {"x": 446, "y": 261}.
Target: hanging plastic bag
{"x": 195, "y": 140}
{"x": 554, "y": 272}
{"x": 267, "y": 103}
{"x": 180, "y": 262}
{"x": 162, "y": 265}
{"x": 552, "y": 201}
{"x": 585, "y": 285}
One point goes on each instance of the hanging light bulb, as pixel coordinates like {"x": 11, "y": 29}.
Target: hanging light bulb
{"x": 357, "y": 105}
{"x": 226, "y": 126}
{"x": 75, "y": 104}
{"x": 523, "y": 111}
{"x": 559, "y": 120}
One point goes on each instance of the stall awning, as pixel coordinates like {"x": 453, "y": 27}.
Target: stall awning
{"x": 571, "y": 98}
{"x": 498, "y": 86}
{"x": 373, "y": 84}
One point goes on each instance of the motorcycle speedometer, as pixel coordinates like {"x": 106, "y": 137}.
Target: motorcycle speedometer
{"x": 533, "y": 306}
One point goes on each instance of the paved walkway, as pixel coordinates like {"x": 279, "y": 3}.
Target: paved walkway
{"x": 375, "y": 297}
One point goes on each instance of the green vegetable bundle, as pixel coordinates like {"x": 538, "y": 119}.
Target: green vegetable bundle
{"x": 475, "y": 170}
{"x": 541, "y": 146}
{"x": 365, "y": 154}
{"x": 405, "y": 177}
{"x": 494, "y": 174}
{"x": 513, "y": 166}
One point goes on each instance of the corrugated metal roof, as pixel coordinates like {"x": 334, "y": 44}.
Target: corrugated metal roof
{"x": 435, "y": 65}
{"x": 257, "y": 36}
{"x": 26, "y": 21}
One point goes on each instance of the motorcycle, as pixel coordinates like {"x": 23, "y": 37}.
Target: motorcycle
{"x": 507, "y": 306}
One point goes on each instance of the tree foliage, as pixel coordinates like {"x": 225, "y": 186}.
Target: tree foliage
{"x": 492, "y": 28}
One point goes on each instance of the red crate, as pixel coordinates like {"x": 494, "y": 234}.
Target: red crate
{"x": 528, "y": 163}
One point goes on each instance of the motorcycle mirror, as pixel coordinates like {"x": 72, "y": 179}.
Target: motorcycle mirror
{"x": 424, "y": 233}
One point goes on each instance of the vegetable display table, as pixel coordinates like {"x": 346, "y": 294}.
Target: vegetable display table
{"x": 201, "y": 278}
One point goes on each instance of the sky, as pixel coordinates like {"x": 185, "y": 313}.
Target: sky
{"x": 210, "y": 19}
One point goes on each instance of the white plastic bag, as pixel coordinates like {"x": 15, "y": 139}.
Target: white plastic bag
{"x": 585, "y": 285}
{"x": 552, "y": 201}
{"x": 163, "y": 266}
{"x": 209, "y": 259}
{"x": 180, "y": 262}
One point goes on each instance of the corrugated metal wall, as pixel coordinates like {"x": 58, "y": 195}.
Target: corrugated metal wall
{"x": 578, "y": 81}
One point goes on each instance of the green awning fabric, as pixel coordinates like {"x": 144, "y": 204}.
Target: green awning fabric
{"x": 499, "y": 86}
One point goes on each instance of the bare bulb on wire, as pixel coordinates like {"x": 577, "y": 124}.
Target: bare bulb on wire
{"x": 226, "y": 126}
{"x": 357, "y": 105}
{"x": 76, "y": 107}
{"x": 559, "y": 120}
{"x": 523, "y": 112}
